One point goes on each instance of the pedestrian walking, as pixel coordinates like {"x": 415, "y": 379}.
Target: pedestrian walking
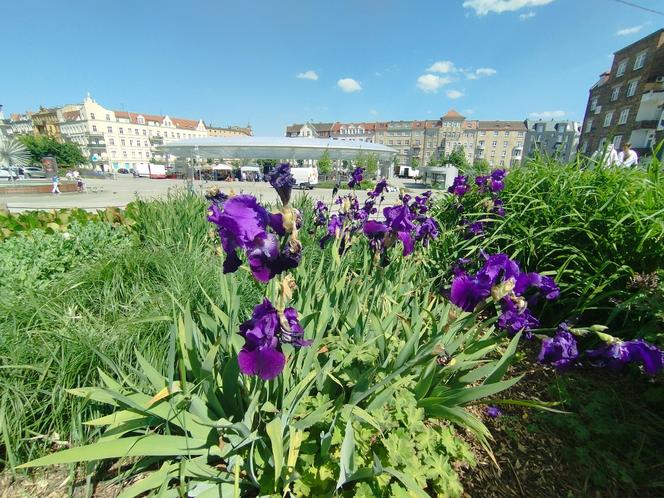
{"x": 56, "y": 184}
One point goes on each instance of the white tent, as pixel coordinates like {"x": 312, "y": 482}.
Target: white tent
{"x": 222, "y": 167}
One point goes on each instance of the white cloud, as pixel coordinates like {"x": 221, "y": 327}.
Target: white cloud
{"x": 484, "y": 7}
{"x": 373, "y": 112}
{"x": 479, "y": 73}
{"x": 349, "y": 85}
{"x": 431, "y": 82}
{"x": 629, "y": 31}
{"x": 527, "y": 15}
{"x": 442, "y": 67}
{"x": 308, "y": 75}
{"x": 454, "y": 94}
{"x": 547, "y": 114}
{"x": 468, "y": 112}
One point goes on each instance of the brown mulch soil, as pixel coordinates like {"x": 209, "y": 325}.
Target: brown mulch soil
{"x": 533, "y": 459}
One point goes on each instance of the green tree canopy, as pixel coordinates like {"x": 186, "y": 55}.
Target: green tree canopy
{"x": 325, "y": 164}
{"x": 458, "y": 159}
{"x": 66, "y": 154}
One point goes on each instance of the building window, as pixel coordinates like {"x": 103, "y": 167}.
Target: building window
{"x": 602, "y": 142}
{"x": 122, "y": 142}
{"x": 623, "y": 116}
{"x": 124, "y": 153}
{"x": 507, "y": 133}
{"x": 121, "y": 131}
{"x": 145, "y": 133}
{"x": 640, "y": 60}
{"x": 589, "y": 125}
{"x": 94, "y": 128}
{"x": 111, "y": 141}
{"x": 147, "y": 154}
{"x": 109, "y": 129}
{"x": 616, "y": 141}
{"x": 593, "y": 103}
{"x": 92, "y": 114}
{"x": 495, "y": 133}
{"x": 145, "y": 143}
{"x": 136, "y": 131}
{"x": 131, "y": 143}
{"x": 108, "y": 117}
{"x": 621, "y": 68}
{"x": 631, "y": 88}
{"x": 615, "y": 93}
{"x": 608, "y": 118}
{"x": 505, "y": 143}
{"x": 494, "y": 143}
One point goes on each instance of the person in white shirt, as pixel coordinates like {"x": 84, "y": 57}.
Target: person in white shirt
{"x": 607, "y": 157}
{"x": 628, "y": 157}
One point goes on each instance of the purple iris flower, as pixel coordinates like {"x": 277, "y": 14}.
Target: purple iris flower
{"x": 266, "y": 261}
{"x": 561, "y": 350}
{"x": 378, "y": 189}
{"x": 617, "y": 354}
{"x": 499, "y": 267}
{"x": 320, "y": 213}
{"x": 426, "y": 230}
{"x": 460, "y": 186}
{"x": 242, "y": 224}
{"x": 283, "y": 181}
{"x": 514, "y": 320}
{"x": 480, "y": 181}
{"x": 334, "y": 227}
{"x": 544, "y": 285}
{"x": 467, "y": 292}
{"x": 264, "y": 333}
{"x": 375, "y": 232}
{"x": 476, "y": 228}
{"x": 356, "y": 177}
{"x": 399, "y": 220}
{"x": 493, "y": 411}
{"x": 498, "y": 175}
{"x": 498, "y": 207}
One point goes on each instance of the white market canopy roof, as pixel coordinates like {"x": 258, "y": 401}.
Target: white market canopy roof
{"x": 241, "y": 147}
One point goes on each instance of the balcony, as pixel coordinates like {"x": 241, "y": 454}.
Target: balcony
{"x": 159, "y": 140}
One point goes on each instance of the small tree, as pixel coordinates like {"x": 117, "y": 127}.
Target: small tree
{"x": 458, "y": 159}
{"x": 325, "y": 164}
{"x": 415, "y": 162}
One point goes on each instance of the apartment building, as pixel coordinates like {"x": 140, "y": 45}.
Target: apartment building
{"x": 423, "y": 142}
{"x": 625, "y": 104}
{"x": 123, "y": 139}
{"x": 558, "y": 139}
{"x": 229, "y": 131}
{"x": 500, "y": 143}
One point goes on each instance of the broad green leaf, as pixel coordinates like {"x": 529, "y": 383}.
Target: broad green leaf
{"x": 150, "y": 445}
{"x": 274, "y": 431}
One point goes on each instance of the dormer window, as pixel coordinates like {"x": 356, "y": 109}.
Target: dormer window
{"x": 140, "y": 120}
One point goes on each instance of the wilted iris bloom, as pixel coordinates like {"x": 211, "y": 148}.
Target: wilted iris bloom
{"x": 282, "y": 181}
{"x": 215, "y": 196}
{"x": 356, "y": 177}
{"x": 264, "y": 333}
{"x": 514, "y": 319}
{"x": 560, "y": 350}
{"x": 460, "y": 186}
{"x": 493, "y": 411}
{"x": 617, "y": 354}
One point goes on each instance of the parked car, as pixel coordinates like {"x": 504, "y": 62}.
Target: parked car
{"x": 123, "y": 171}
{"x": 34, "y": 172}
{"x": 7, "y": 175}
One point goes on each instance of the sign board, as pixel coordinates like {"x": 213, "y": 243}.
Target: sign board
{"x": 94, "y": 158}
{"x": 50, "y": 165}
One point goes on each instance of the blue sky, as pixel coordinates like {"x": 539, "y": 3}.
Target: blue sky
{"x": 234, "y": 62}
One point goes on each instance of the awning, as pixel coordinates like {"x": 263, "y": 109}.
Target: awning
{"x": 284, "y": 148}
{"x": 222, "y": 167}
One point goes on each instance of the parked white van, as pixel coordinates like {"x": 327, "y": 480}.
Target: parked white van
{"x": 305, "y": 177}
